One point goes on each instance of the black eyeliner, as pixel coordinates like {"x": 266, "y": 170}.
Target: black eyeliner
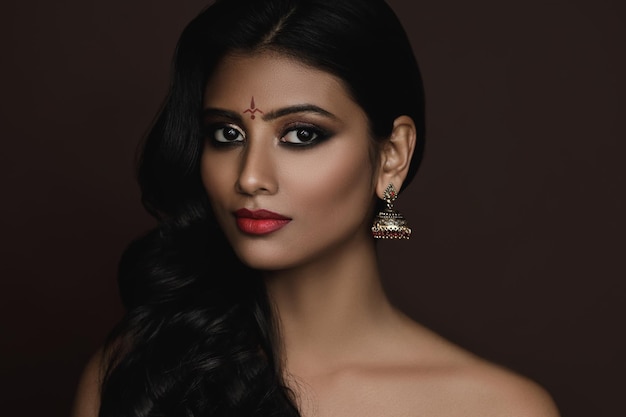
{"x": 322, "y": 135}
{"x": 208, "y": 133}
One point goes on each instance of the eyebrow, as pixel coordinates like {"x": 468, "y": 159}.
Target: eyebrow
{"x": 299, "y": 108}
{"x": 210, "y": 111}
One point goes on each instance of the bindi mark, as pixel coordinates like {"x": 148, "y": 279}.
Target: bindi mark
{"x": 252, "y": 110}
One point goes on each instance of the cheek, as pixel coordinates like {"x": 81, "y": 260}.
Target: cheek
{"x": 342, "y": 182}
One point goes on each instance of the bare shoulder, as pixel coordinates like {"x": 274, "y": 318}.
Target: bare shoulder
{"x": 87, "y": 397}
{"x": 413, "y": 371}
{"x": 491, "y": 390}
{"x": 451, "y": 381}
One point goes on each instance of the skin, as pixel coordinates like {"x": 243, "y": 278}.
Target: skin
{"x": 347, "y": 350}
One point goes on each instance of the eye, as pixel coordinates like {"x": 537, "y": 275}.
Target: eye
{"x": 225, "y": 134}
{"x": 304, "y": 136}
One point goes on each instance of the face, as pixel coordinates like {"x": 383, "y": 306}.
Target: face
{"x": 287, "y": 162}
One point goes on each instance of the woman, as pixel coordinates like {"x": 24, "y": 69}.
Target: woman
{"x": 289, "y": 125}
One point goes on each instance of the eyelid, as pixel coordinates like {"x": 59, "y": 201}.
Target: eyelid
{"x": 210, "y": 130}
{"x": 322, "y": 134}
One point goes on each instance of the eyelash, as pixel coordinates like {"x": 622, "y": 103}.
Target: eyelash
{"x": 319, "y": 135}
{"x": 211, "y": 133}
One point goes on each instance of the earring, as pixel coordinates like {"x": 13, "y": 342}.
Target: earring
{"x": 389, "y": 223}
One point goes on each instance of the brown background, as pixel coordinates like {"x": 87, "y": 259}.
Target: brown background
{"x": 518, "y": 248}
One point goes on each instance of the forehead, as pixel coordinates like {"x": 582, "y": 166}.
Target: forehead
{"x": 274, "y": 80}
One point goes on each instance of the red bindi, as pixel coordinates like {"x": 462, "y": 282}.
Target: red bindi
{"x": 252, "y": 110}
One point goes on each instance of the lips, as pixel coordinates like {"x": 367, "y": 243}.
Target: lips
{"x": 259, "y": 222}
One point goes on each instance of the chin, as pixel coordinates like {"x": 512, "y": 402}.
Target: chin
{"x": 265, "y": 264}
{"x": 263, "y": 258}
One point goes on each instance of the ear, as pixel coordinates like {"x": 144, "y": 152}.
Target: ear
{"x": 396, "y": 154}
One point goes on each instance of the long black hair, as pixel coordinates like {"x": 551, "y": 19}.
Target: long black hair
{"x": 198, "y": 337}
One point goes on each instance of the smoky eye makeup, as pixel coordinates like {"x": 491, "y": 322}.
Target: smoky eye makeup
{"x": 223, "y": 134}
{"x": 296, "y": 127}
{"x": 300, "y": 135}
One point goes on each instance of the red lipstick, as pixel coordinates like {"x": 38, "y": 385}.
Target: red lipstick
{"x": 259, "y": 222}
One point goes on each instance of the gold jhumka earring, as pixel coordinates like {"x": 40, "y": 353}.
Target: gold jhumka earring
{"x": 389, "y": 223}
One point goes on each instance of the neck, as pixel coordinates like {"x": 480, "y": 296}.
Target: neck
{"x": 329, "y": 309}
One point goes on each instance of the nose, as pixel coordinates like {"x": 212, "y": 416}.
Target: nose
{"x": 257, "y": 174}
